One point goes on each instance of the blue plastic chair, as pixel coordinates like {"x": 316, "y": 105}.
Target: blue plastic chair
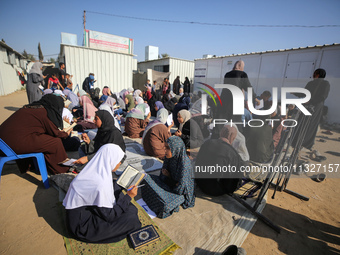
{"x": 39, "y": 161}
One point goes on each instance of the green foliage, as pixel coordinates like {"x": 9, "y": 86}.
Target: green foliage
{"x": 41, "y": 56}
{"x": 28, "y": 56}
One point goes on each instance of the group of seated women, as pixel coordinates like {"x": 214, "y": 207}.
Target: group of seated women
{"x": 96, "y": 208}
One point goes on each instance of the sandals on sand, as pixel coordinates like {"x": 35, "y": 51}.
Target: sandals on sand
{"x": 327, "y": 132}
{"x": 319, "y": 177}
{"x": 316, "y": 156}
{"x": 234, "y": 250}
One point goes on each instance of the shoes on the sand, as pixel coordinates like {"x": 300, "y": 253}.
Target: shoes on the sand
{"x": 234, "y": 250}
{"x": 319, "y": 177}
{"x": 316, "y": 156}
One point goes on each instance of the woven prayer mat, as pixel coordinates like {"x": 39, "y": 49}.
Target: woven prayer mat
{"x": 162, "y": 246}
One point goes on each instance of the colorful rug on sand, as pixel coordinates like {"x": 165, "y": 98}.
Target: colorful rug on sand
{"x": 162, "y": 246}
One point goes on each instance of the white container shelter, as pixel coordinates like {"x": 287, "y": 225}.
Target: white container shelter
{"x": 281, "y": 68}
{"x": 111, "y": 69}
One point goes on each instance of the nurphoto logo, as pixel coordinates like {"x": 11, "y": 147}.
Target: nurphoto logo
{"x": 238, "y": 102}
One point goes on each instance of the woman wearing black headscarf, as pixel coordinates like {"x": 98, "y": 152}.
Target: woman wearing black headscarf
{"x": 36, "y": 128}
{"x": 170, "y": 105}
{"x": 107, "y": 133}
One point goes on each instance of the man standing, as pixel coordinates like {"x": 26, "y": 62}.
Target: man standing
{"x": 319, "y": 90}
{"x": 62, "y": 74}
{"x": 239, "y": 78}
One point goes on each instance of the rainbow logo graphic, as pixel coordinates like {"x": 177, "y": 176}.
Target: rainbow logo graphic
{"x": 209, "y": 93}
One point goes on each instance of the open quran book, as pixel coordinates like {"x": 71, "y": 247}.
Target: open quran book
{"x": 130, "y": 176}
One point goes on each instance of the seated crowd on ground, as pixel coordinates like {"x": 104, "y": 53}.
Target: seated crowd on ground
{"x": 151, "y": 115}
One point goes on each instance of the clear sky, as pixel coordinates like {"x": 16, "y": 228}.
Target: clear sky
{"x": 23, "y": 24}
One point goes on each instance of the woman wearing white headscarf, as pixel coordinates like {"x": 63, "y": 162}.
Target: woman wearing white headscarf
{"x": 34, "y": 79}
{"x": 189, "y": 130}
{"x": 156, "y": 134}
{"x": 96, "y": 209}
{"x": 137, "y": 93}
{"x": 108, "y": 105}
{"x": 139, "y": 100}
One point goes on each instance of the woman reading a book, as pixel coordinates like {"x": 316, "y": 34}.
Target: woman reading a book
{"x": 189, "y": 130}
{"x": 175, "y": 186}
{"x": 107, "y": 133}
{"x": 96, "y": 209}
{"x": 156, "y": 134}
{"x": 89, "y": 111}
{"x": 72, "y": 97}
{"x": 37, "y": 128}
{"x": 129, "y": 102}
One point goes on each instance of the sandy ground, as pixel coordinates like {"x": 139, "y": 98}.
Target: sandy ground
{"x": 30, "y": 223}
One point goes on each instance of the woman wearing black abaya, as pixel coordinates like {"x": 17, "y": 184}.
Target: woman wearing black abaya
{"x": 107, "y": 133}
{"x": 219, "y": 152}
{"x": 37, "y": 128}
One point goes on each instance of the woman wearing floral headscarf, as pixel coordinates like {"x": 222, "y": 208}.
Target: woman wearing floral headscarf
{"x": 156, "y": 134}
{"x": 136, "y": 122}
{"x": 175, "y": 186}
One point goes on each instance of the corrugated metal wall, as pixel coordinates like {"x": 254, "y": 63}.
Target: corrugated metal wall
{"x": 182, "y": 69}
{"x": 290, "y": 68}
{"x": 177, "y": 67}
{"x": 9, "y": 80}
{"x": 143, "y": 66}
{"x": 111, "y": 69}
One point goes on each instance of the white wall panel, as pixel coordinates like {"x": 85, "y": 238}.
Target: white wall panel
{"x": 287, "y": 68}
{"x": 181, "y": 68}
{"x": 111, "y": 69}
{"x": 177, "y": 67}
{"x": 9, "y": 80}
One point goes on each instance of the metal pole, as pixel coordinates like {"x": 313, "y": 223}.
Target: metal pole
{"x": 84, "y": 22}
{"x": 258, "y": 215}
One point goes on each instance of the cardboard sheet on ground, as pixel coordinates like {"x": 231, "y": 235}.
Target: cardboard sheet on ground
{"x": 137, "y": 158}
{"x": 210, "y": 226}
